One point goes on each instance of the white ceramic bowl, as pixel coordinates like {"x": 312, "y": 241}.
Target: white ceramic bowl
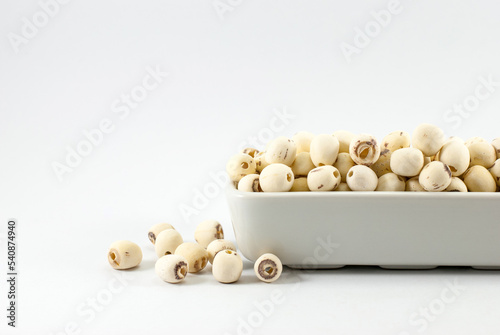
{"x": 397, "y": 230}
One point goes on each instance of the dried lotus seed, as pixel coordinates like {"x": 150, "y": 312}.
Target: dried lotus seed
{"x": 345, "y": 138}
{"x": 249, "y": 183}
{"x": 281, "y": 150}
{"x": 391, "y": 182}
{"x": 171, "y": 268}
{"x": 124, "y": 255}
{"x": 364, "y": 149}
{"x": 195, "y": 255}
{"x": 407, "y": 162}
{"x": 383, "y": 164}
{"x": 156, "y": 229}
{"x": 207, "y": 231}
{"x": 456, "y": 185}
{"x": 303, "y": 140}
{"x": 482, "y": 153}
{"x": 344, "y": 163}
{"x": 167, "y": 241}
{"x": 227, "y": 266}
{"x": 302, "y": 164}
{"x": 276, "y": 178}
{"x": 300, "y": 185}
{"x": 428, "y": 138}
{"x": 495, "y": 171}
{"x": 260, "y": 161}
{"x": 456, "y": 155}
{"x": 218, "y": 245}
{"x": 362, "y": 178}
{"x": 252, "y": 152}
{"x": 496, "y": 145}
{"x": 396, "y": 140}
{"x": 413, "y": 185}
{"x": 239, "y": 166}
{"x": 324, "y": 149}
{"x": 268, "y": 268}
{"x": 343, "y": 187}
{"x": 479, "y": 179}
{"x": 435, "y": 177}
{"x": 323, "y": 178}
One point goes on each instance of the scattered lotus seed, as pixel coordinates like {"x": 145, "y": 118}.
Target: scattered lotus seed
{"x": 300, "y": 185}
{"x": 268, "y": 268}
{"x": 276, "y": 178}
{"x": 345, "y": 138}
{"x": 482, "y": 153}
{"x": 435, "y": 177}
{"x": 456, "y": 155}
{"x": 239, "y": 166}
{"x": 167, "y": 241}
{"x": 364, "y": 149}
{"x": 171, "y": 268}
{"x": 207, "y": 231}
{"x": 260, "y": 161}
{"x": 391, "y": 182}
{"x": 428, "y": 138}
{"x": 383, "y": 164}
{"x": 281, "y": 150}
{"x": 456, "y": 185}
{"x": 195, "y": 254}
{"x": 156, "y": 229}
{"x": 249, "y": 183}
{"x": 362, "y": 178}
{"x": 495, "y": 171}
{"x": 344, "y": 163}
{"x": 218, "y": 245}
{"x": 413, "y": 185}
{"x": 396, "y": 140}
{"x": 303, "y": 141}
{"x": 227, "y": 266}
{"x": 124, "y": 255}
{"x": 323, "y": 178}
{"x": 343, "y": 187}
{"x": 479, "y": 179}
{"x": 407, "y": 162}
{"x": 324, "y": 149}
{"x": 302, "y": 164}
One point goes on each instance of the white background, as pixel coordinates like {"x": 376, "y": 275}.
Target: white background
{"x": 229, "y": 72}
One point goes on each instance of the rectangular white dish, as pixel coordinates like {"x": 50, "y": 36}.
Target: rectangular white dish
{"x": 397, "y": 230}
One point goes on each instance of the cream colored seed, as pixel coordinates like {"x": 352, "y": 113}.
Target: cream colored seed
{"x": 227, "y": 266}
{"x": 482, "y": 153}
{"x": 249, "y": 183}
{"x": 383, "y": 164}
{"x": 252, "y": 152}
{"x": 496, "y": 145}
{"x": 218, "y": 245}
{"x": 124, "y": 255}
{"x": 281, "y": 150}
{"x": 208, "y": 231}
{"x": 324, "y": 149}
{"x": 407, "y": 162}
{"x": 343, "y": 187}
{"x": 391, "y": 182}
{"x": 396, "y": 140}
{"x": 344, "y": 163}
{"x": 303, "y": 140}
{"x": 364, "y": 149}
{"x": 428, "y": 138}
{"x": 276, "y": 178}
{"x": 171, "y": 268}
{"x": 195, "y": 254}
{"x": 302, "y": 164}
{"x": 167, "y": 241}
{"x": 473, "y": 140}
{"x": 435, "y": 177}
{"x": 456, "y": 185}
{"x": 239, "y": 166}
{"x": 413, "y": 185}
{"x": 260, "y": 161}
{"x": 323, "y": 178}
{"x": 156, "y": 229}
{"x": 479, "y": 179}
{"x": 362, "y": 178}
{"x": 345, "y": 138}
{"x": 268, "y": 268}
{"x": 456, "y": 155}
{"x": 495, "y": 171}
{"x": 300, "y": 185}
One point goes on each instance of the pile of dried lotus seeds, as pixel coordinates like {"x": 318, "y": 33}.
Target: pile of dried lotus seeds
{"x": 177, "y": 258}
{"x": 343, "y": 161}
